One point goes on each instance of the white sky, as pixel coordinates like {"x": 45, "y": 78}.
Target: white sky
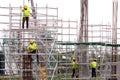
{"x": 100, "y": 11}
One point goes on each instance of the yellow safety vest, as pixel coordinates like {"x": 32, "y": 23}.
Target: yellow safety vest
{"x": 31, "y": 47}
{"x": 26, "y": 13}
{"x": 74, "y": 65}
{"x": 93, "y": 64}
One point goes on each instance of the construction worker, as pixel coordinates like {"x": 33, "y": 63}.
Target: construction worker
{"x": 93, "y": 65}
{"x": 26, "y": 14}
{"x": 32, "y": 47}
{"x": 74, "y": 68}
{"x": 32, "y": 56}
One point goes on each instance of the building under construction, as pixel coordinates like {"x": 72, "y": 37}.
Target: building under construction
{"x": 58, "y": 41}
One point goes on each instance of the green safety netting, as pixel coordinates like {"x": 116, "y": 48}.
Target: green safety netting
{"x": 88, "y": 43}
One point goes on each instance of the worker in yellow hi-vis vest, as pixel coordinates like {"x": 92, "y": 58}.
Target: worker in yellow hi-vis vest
{"x": 26, "y": 13}
{"x": 74, "y": 68}
{"x": 93, "y": 65}
{"x": 32, "y": 49}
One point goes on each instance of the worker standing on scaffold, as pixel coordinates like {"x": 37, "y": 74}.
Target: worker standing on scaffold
{"x": 74, "y": 68}
{"x": 93, "y": 65}
{"x": 26, "y": 13}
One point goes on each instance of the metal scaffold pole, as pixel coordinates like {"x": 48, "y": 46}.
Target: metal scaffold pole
{"x": 33, "y": 11}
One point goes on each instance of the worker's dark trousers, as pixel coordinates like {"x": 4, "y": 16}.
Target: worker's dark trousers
{"x": 93, "y": 72}
{"x": 27, "y": 21}
{"x": 73, "y": 73}
{"x": 34, "y": 52}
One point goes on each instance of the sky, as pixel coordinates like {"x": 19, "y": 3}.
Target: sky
{"x": 99, "y": 11}
{"x": 68, "y": 8}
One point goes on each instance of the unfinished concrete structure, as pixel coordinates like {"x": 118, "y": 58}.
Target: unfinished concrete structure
{"x": 58, "y": 41}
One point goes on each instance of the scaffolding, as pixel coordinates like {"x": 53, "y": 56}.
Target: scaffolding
{"x": 57, "y": 42}
{"x": 48, "y": 30}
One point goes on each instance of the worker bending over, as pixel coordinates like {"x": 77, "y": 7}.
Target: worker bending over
{"x": 32, "y": 47}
